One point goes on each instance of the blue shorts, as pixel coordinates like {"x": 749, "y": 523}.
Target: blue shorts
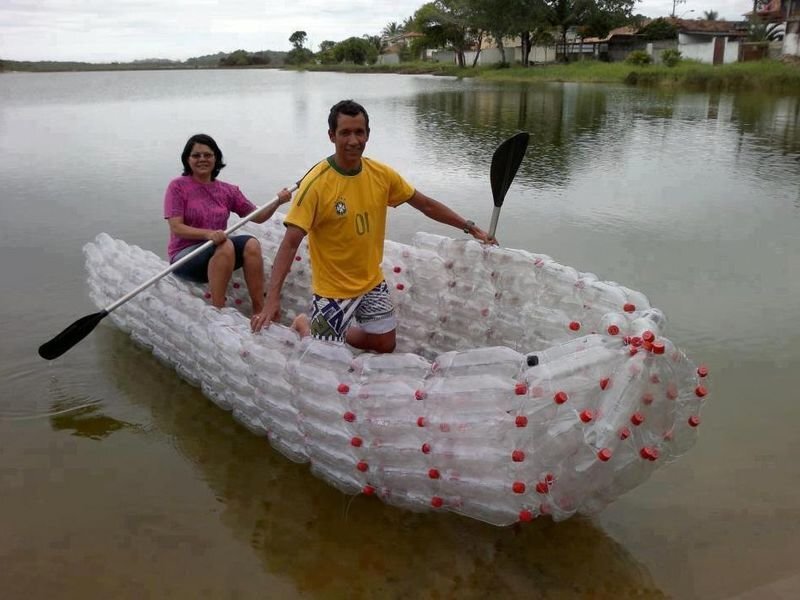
{"x": 374, "y": 313}
{"x": 196, "y": 269}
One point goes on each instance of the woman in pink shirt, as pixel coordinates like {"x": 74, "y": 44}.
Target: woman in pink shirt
{"x": 197, "y": 207}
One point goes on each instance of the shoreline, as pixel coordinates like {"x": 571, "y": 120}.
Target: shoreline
{"x": 768, "y": 75}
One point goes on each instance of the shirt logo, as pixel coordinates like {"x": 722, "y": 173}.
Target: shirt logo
{"x": 341, "y": 207}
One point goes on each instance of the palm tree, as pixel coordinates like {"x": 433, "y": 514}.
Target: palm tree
{"x": 391, "y": 29}
{"x": 710, "y": 15}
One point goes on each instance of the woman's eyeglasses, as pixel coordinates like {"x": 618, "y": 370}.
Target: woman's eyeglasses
{"x": 197, "y": 155}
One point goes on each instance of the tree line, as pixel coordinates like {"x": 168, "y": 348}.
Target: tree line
{"x": 462, "y": 25}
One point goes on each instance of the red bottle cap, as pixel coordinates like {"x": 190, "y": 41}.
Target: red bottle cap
{"x": 436, "y": 502}
{"x": 542, "y": 487}
{"x": 356, "y": 441}
{"x": 574, "y": 326}
{"x": 517, "y": 456}
{"x": 343, "y": 388}
{"x": 397, "y": 269}
{"x": 586, "y": 416}
{"x": 400, "y": 286}
{"x": 624, "y": 433}
{"x": 349, "y": 416}
{"x": 420, "y": 421}
{"x": 637, "y": 418}
{"x": 604, "y": 382}
{"x": 368, "y": 490}
{"x": 362, "y": 466}
{"x": 433, "y": 473}
{"x": 525, "y": 516}
{"x": 604, "y": 454}
{"x": 518, "y": 487}
{"x": 520, "y": 389}
{"x": 658, "y": 348}
{"x": 613, "y": 330}
{"x": 521, "y": 421}
{"x": 694, "y": 421}
{"x": 560, "y": 397}
{"x": 702, "y": 371}
{"x": 426, "y": 448}
{"x": 700, "y": 391}
{"x": 420, "y": 394}
{"x": 628, "y": 307}
{"x": 648, "y": 336}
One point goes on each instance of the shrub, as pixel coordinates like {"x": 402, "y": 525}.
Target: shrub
{"x": 671, "y": 57}
{"x": 638, "y": 57}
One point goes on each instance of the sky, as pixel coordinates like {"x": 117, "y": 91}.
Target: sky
{"x": 124, "y": 30}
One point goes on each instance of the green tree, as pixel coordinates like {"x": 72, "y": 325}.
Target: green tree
{"x": 325, "y": 54}
{"x": 660, "y": 29}
{"x": 446, "y": 24}
{"x": 238, "y": 58}
{"x": 298, "y": 39}
{"x": 710, "y": 15}
{"x": 392, "y": 29}
{"x": 355, "y": 50}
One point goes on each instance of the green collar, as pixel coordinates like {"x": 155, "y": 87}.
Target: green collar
{"x": 341, "y": 171}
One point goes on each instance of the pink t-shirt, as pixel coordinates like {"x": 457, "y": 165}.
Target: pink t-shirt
{"x": 202, "y": 205}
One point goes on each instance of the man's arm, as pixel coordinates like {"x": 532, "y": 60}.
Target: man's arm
{"x": 280, "y": 269}
{"x": 433, "y": 209}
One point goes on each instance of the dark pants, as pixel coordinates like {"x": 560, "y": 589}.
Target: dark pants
{"x": 196, "y": 269}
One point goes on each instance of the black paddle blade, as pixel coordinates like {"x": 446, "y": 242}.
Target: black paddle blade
{"x": 505, "y": 162}
{"x": 71, "y": 336}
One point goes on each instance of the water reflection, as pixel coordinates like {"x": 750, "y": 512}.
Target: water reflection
{"x": 331, "y": 545}
{"x": 85, "y": 421}
{"x": 558, "y": 117}
{"x": 575, "y": 123}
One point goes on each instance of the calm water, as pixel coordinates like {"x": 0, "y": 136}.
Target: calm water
{"x": 119, "y": 480}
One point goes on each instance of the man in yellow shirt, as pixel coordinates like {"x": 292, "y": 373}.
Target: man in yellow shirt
{"x": 341, "y": 205}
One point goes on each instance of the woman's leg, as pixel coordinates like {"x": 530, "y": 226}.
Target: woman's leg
{"x": 220, "y": 268}
{"x": 253, "y": 268}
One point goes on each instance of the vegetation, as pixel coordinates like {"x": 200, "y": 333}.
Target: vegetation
{"x": 671, "y": 57}
{"x": 638, "y": 57}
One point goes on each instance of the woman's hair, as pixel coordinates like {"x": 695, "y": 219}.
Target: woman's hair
{"x": 349, "y": 108}
{"x": 206, "y": 140}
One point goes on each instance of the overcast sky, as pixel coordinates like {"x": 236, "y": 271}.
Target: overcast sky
{"x": 122, "y": 30}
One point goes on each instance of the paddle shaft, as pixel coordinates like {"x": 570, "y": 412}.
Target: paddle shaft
{"x": 191, "y": 255}
{"x": 493, "y": 224}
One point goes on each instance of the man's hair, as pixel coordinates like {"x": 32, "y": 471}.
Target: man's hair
{"x": 346, "y": 107}
{"x": 206, "y": 140}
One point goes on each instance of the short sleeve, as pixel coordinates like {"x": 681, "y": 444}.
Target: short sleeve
{"x": 174, "y": 200}
{"x": 239, "y": 202}
{"x": 400, "y": 190}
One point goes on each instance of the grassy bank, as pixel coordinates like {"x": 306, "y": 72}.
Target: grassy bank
{"x": 773, "y": 76}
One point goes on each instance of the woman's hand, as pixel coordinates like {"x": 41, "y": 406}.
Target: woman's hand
{"x": 217, "y": 237}
{"x": 284, "y": 196}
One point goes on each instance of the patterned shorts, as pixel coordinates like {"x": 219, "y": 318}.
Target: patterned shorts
{"x": 374, "y": 313}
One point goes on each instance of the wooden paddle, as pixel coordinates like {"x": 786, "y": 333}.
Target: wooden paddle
{"x": 505, "y": 162}
{"x": 85, "y": 325}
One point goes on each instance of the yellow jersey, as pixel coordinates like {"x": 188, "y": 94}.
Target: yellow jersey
{"x": 344, "y": 215}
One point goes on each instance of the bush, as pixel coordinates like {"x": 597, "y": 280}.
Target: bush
{"x": 671, "y": 57}
{"x": 638, "y": 57}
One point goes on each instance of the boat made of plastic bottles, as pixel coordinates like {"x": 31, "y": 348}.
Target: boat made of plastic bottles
{"x": 520, "y": 387}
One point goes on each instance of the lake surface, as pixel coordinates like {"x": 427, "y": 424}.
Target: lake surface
{"x": 119, "y": 480}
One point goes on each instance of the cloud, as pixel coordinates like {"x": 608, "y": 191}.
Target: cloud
{"x": 106, "y": 30}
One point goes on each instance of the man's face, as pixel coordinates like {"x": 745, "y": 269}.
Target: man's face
{"x": 350, "y": 138}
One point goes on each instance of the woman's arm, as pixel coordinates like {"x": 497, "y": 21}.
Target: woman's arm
{"x": 265, "y": 213}
{"x": 182, "y": 230}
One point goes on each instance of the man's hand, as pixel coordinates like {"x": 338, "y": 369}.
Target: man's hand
{"x": 482, "y": 236}
{"x": 271, "y": 312}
